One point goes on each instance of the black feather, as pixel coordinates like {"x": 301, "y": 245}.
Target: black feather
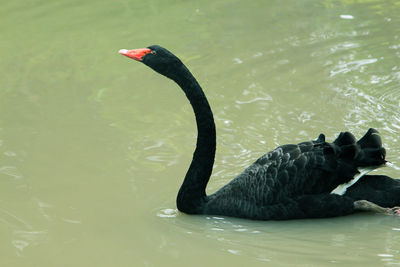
{"x": 292, "y": 181}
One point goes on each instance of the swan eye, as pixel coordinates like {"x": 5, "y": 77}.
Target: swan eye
{"x": 153, "y": 52}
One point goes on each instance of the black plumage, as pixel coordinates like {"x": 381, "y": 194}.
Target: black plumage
{"x": 290, "y": 182}
{"x": 379, "y": 189}
{"x": 296, "y": 181}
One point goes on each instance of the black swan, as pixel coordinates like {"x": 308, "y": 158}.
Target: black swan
{"x": 290, "y": 182}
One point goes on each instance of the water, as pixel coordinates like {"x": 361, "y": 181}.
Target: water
{"x": 93, "y": 146}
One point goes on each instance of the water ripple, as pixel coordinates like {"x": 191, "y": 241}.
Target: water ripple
{"x": 168, "y": 213}
{"x": 12, "y": 220}
{"x": 23, "y": 239}
{"x": 345, "y": 67}
{"x": 11, "y": 171}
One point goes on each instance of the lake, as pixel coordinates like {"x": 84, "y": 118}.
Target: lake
{"x": 94, "y": 146}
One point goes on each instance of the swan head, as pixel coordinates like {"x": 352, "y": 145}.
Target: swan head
{"x": 157, "y": 58}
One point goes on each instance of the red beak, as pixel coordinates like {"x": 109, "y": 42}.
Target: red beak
{"x": 136, "y": 54}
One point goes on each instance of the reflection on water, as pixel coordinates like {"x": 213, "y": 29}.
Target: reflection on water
{"x": 10, "y": 171}
{"x": 168, "y": 213}
{"x": 94, "y": 147}
{"x": 305, "y": 240}
{"x": 23, "y": 239}
{"x": 13, "y": 221}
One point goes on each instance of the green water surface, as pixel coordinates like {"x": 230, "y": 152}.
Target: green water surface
{"x": 94, "y": 146}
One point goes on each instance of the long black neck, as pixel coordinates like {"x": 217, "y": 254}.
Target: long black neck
{"x": 192, "y": 193}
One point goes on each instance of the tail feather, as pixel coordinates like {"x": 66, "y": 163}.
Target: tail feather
{"x": 372, "y": 153}
{"x": 357, "y": 158}
{"x": 346, "y": 145}
{"x": 371, "y": 139}
{"x": 345, "y": 138}
{"x": 366, "y": 152}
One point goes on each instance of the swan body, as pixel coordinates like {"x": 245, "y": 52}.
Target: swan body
{"x": 290, "y": 182}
